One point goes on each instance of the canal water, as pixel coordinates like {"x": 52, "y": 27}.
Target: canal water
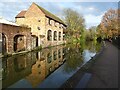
{"x": 48, "y": 68}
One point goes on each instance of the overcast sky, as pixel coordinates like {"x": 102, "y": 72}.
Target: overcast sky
{"x": 92, "y": 11}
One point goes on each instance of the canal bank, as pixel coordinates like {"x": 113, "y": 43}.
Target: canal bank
{"x": 100, "y": 72}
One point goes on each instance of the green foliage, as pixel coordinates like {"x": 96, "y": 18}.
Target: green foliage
{"x": 75, "y": 25}
{"x": 74, "y": 57}
{"x": 91, "y": 35}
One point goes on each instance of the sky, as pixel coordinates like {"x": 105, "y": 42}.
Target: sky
{"x": 92, "y": 10}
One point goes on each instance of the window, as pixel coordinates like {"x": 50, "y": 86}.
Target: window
{"x": 39, "y": 66}
{"x": 38, "y": 28}
{"x": 39, "y": 20}
{"x": 59, "y": 35}
{"x": 64, "y": 37}
{"x": 20, "y": 38}
{"x": 55, "y": 35}
{"x": 49, "y": 21}
{"x": 49, "y": 35}
{"x": 55, "y": 24}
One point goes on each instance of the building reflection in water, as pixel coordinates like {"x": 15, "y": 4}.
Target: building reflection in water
{"x": 48, "y": 61}
{"x": 33, "y": 66}
{"x": 37, "y": 66}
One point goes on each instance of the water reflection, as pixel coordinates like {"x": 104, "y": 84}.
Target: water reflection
{"x": 36, "y": 67}
{"x": 73, "y": 57}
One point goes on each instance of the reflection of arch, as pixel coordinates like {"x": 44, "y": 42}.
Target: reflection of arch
{"x": 34, "y": 41}
{"x": 64, "y": 53}
{"x": 4, "y": 67}
{"x": 55, "y": 35}
{"x": 4, "y": 45}
{"x": 19, "y": 43}
{"x": 49, "y": 58}
{"x": 59, "y": 53}
{"x": 55, "y": 55}
{"x": 19, "y": 65}
{"x": 59, "y": 35}
{"x": 49, "y": 35}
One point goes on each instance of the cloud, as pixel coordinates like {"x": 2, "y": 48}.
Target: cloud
{"x": 61, "y": 1}
{"x": 92, "y": 9}
{"x": 10, "y": 9}
{"x": 92, "y": 12}
{"x": 92, "y": 20}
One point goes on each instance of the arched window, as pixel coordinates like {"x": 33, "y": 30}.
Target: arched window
{"x": 59, "y": 35}
{"x": 49, "y": 35}
{"x": 19, "y": 43}
{"x": 55, "y": 35}
{"x": 3, "y": 42}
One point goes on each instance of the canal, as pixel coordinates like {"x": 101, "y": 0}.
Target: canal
{"x": 48, "y": 68}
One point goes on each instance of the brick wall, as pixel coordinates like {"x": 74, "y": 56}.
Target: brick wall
{"x": 10, "y": 31}
{"x": 39, "y": 24}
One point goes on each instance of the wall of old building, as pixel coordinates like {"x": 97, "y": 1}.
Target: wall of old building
{"x": 53, "y": 26}
{"x": 40, "y": 25}
{"x": 10, "y": 32}
{"x": 35, "y": 19}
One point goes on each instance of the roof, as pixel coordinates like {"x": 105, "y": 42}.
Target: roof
{"x": 7, "y": 22}
{"x": 50, "y": 15}
{"x": 21, "y": 14}
{"x": 47, "y": 14}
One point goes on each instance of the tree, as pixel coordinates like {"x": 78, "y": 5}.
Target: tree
{"x": 109, "y": 24}
{"x": 75, "y": 23}
{"x": 90, "y": 34}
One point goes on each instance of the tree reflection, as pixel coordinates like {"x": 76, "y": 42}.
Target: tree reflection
{"x": 73, "y": 58}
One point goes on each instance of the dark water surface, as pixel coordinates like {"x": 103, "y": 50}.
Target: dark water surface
{"x": 47, "y": 68}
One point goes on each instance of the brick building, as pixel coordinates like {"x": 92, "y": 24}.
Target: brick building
{"x": 46, "y": 28}
{"x": 14, "y": 38}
